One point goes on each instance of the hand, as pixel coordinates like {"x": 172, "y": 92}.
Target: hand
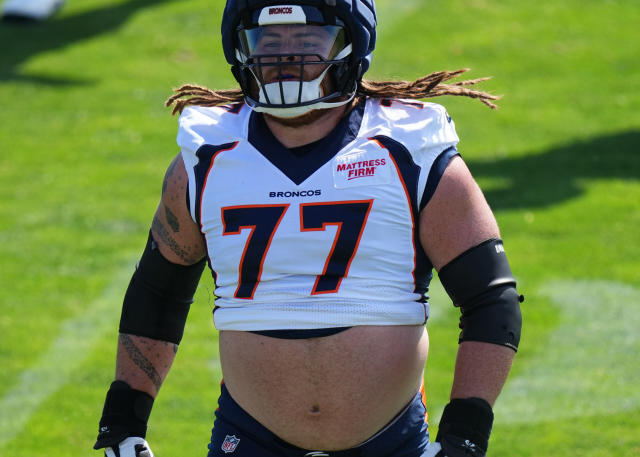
{"x": 464, "y": 428}
{"x": 134, "y": 446}
{"x": 123, "y": 425}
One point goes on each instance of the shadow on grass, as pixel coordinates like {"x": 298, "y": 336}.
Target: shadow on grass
{"x": 551, "y": 177}
{"x": 22, "y": 41}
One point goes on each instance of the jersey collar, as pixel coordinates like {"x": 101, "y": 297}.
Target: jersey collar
{"x": 299, "y": 166}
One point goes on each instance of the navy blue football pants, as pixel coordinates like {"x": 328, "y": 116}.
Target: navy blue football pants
{"x": 237, "y": 434}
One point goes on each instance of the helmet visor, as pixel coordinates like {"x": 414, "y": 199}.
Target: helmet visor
{"x": 322, "y": 41}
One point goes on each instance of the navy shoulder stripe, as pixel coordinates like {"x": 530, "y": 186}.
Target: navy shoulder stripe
{"x": 436, "y": 172}
{"x": 206, "y": 153}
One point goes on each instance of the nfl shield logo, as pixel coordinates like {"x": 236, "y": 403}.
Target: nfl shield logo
{"x": 230, "y": 443}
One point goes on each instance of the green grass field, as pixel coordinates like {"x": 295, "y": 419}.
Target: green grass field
{"x": 85, "y": 140}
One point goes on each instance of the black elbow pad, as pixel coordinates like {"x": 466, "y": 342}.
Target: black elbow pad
{"x": 494, "y": 317}
{"x": 159, "y": 296}
{"x": 480, "y": 282}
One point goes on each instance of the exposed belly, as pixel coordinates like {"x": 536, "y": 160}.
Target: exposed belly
{"x": 326, "y": 393}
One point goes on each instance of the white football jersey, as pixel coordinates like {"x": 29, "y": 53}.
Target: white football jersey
{"x": 323, "y": 238}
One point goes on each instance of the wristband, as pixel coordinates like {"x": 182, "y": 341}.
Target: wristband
{"x": 126, "y": 412}
{"x": 468, "y": 421}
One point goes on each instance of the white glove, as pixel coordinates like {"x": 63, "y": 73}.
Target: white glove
{"x": 134, "y": 446}
{"x": 432, "y": 449}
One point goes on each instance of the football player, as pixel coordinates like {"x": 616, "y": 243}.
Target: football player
{"x": 321, "y": 203}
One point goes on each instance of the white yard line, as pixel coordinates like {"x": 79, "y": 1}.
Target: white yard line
{"x": 77, "y": 337}
{"x": 588, "y": 365}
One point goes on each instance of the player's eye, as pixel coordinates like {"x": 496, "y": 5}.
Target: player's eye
{"x": 272, "y": 45}
{"x": 309, "y": 45}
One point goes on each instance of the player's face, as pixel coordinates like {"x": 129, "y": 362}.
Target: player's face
{"x": 280, "y": 49}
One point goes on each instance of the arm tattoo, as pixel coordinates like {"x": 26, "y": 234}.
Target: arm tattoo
{"x": 172, "y": 219}
{"x": 159, "y": 228}
{"x": 168, "y": 175}
{"x": 141, "y": 361}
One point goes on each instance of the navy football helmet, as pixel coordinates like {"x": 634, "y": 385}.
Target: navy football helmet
{"x": 291, "y": 57}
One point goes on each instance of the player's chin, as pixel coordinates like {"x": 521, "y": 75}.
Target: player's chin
{"x": 303, "y": 120}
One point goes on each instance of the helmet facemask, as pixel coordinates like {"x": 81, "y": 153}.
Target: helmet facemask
{"x": 287, "y": 70}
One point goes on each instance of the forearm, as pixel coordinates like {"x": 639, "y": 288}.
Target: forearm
{"x": 481, "y": 370}
{"x": 144, "y": 363}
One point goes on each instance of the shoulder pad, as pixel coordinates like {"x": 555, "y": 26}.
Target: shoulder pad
{"x": 419, "y": 126}
{"x": 216, "y": 125}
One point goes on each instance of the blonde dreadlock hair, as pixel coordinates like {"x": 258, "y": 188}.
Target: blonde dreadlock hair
{"x": 428, "y": 86}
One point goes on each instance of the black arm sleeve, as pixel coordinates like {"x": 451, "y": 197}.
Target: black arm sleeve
{"x": 159, "y": 296}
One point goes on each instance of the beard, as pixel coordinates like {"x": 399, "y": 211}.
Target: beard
{"x": 298, "y": 121}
